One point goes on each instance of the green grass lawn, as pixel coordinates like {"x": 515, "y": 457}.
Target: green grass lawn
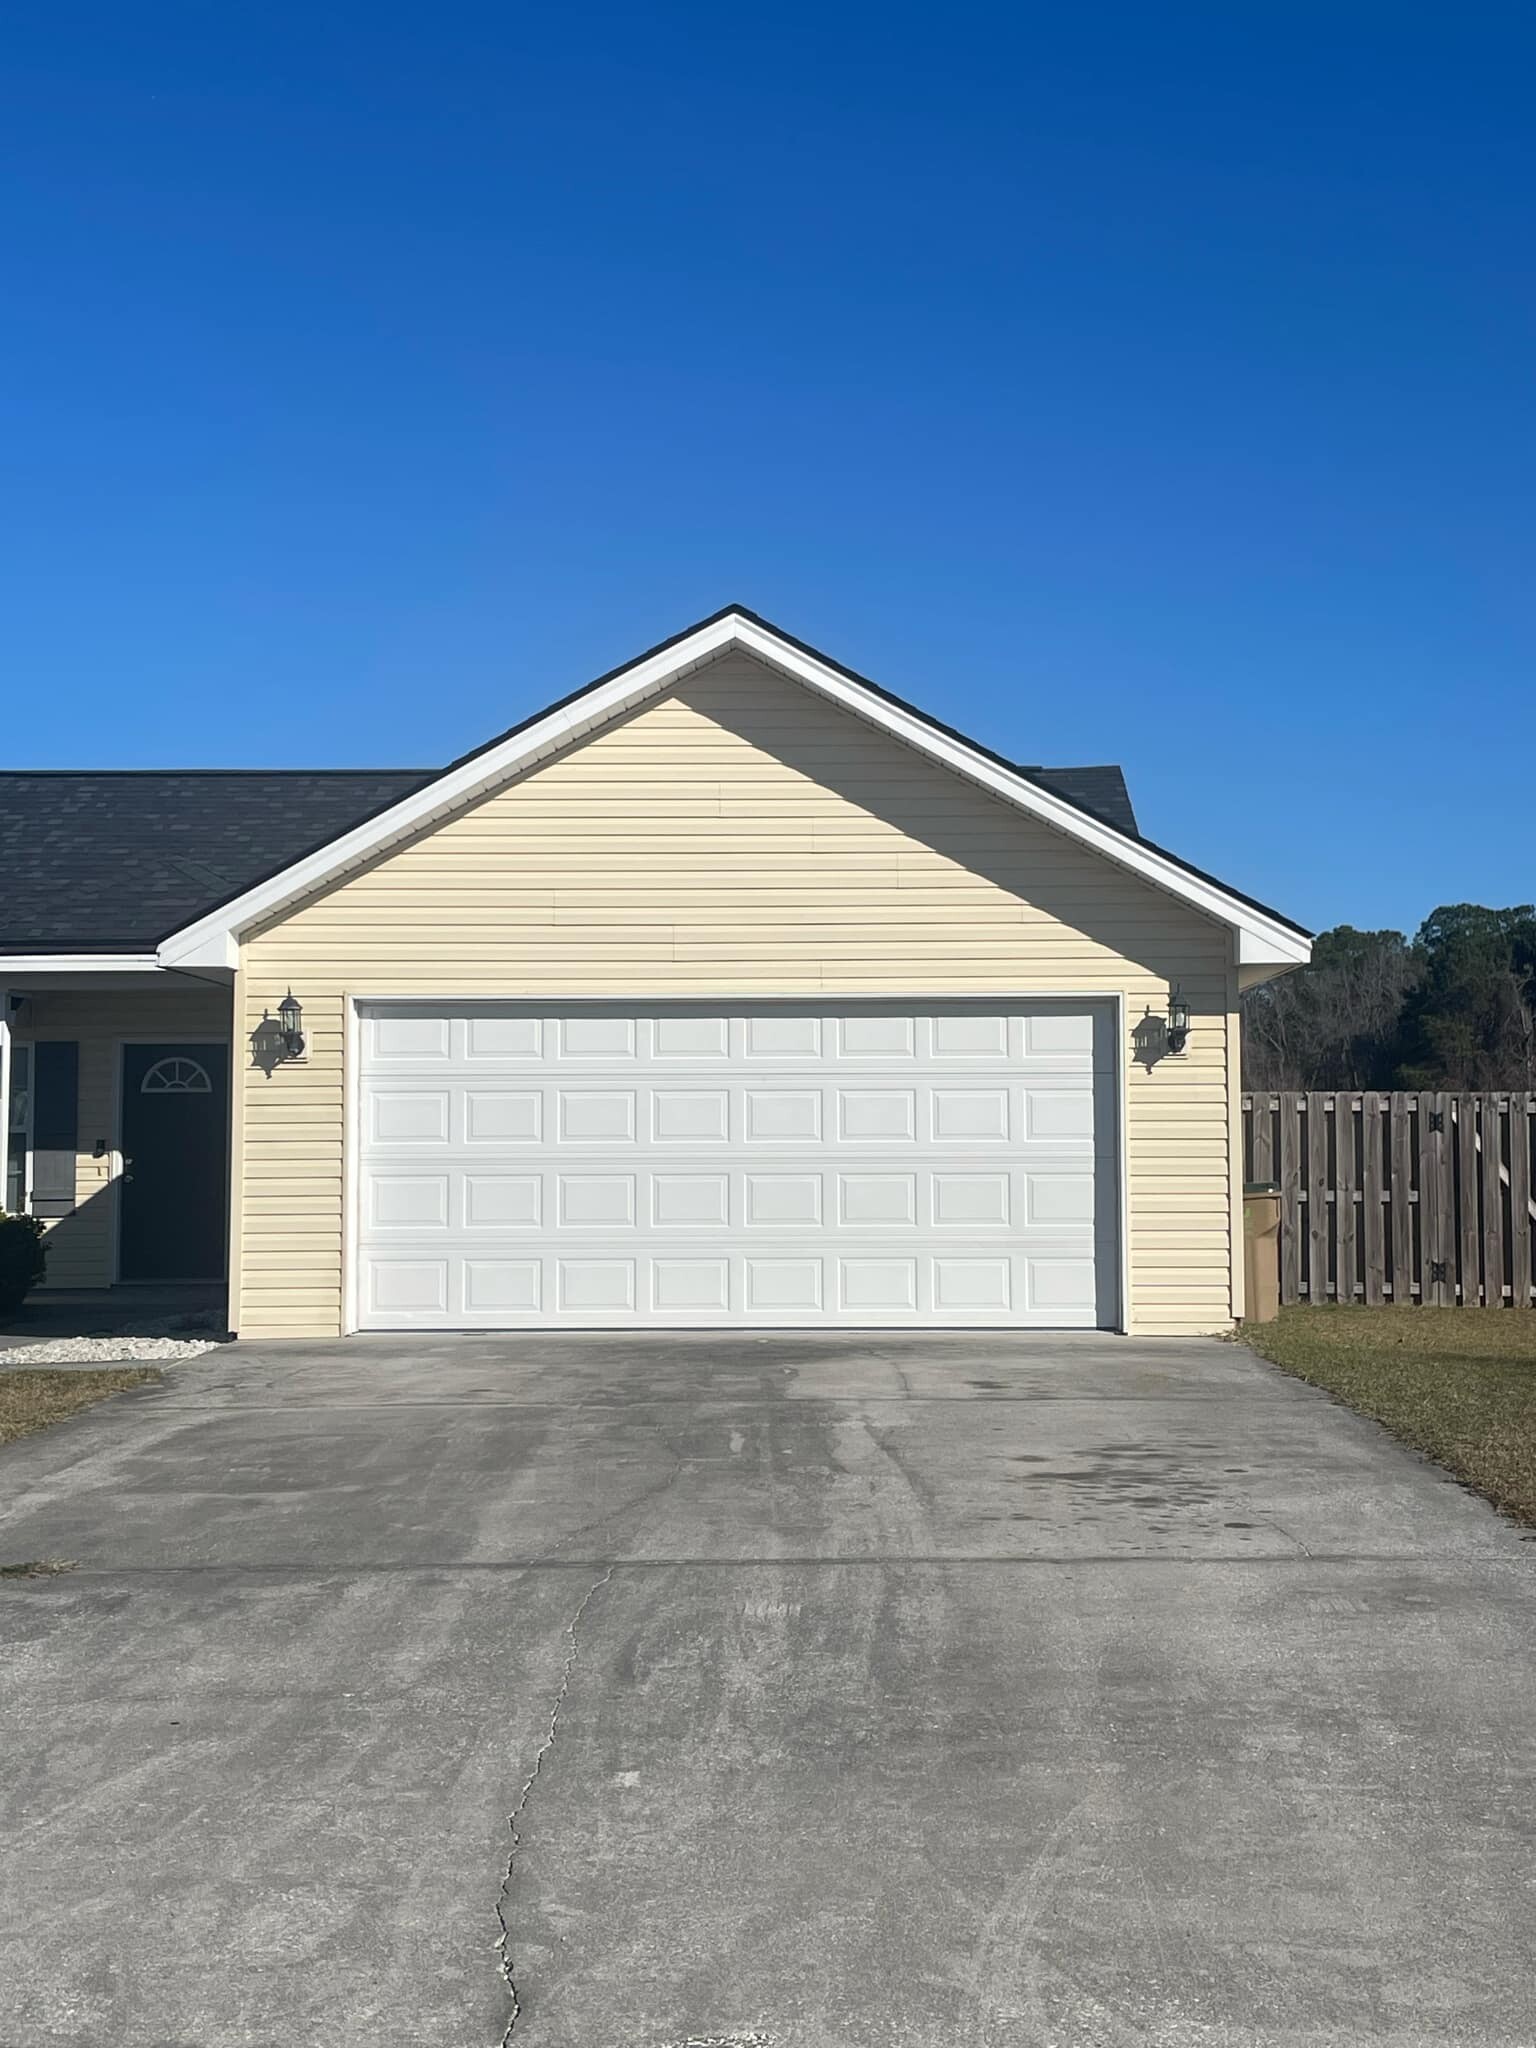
{"x": 30, "y": 1400}
{"x": 1456, "y": 1383}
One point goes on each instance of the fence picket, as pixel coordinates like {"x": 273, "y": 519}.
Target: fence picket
{"x": 1519, "y": 1199}
{"x": 1261, "y": 1124}
{"x": 1400, "y": 1108}
{"x": 1495, "y": 1234}
{"x": 1290, "y": 1199}
{"x": 1373, "y": 1212}
{"x": 1318, "y": 1190}
{"x": 1345, "y": 1177}
{"x": 1464, "y": 1113}
{"x": 1437, "y": 1200}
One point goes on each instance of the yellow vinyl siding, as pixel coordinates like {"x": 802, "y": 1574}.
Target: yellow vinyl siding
{"x": 739, "y": 836}
{"x": 82, "y": 1247}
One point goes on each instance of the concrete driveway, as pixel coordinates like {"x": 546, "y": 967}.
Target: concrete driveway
{"x": 853, "y": 1693}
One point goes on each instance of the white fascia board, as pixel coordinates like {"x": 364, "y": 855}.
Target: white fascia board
{"x": 196, "y": 947}
{"x": 1272, "y": 946}
{"x": 79, "y": 963}
{"x": 214, "y": 939}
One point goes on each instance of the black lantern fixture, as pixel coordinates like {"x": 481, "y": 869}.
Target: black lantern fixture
{"x": 1178, "y": 1022}
{"x": 291, "y": 1018}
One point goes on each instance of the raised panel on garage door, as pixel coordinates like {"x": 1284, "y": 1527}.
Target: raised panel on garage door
{"x": 797, "y": 1164}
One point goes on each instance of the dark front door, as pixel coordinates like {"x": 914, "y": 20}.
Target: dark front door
{"x": 174, "y": 1132}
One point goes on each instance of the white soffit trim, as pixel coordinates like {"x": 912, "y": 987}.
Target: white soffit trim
{"x": 213, "y": 939}
{"x": 80, "y": 963}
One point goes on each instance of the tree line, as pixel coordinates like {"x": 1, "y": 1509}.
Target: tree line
{"x": 1453, "y": 1007}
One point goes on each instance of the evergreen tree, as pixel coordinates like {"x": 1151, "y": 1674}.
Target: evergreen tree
{"x": 1454, "y": 1009}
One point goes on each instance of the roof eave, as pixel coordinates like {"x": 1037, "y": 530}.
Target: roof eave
{"x": 12, "y": 964}
{"x": 35, "y": 972}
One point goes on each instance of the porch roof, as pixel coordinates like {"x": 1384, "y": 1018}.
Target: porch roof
{"x": 104, "y": 862}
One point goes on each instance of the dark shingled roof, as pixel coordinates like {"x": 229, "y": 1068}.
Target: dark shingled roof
{"x": 1101, "y": 792}
{"x": 110, "y": 861}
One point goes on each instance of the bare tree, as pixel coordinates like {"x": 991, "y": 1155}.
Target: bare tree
{"x": 1333, "y": 1024}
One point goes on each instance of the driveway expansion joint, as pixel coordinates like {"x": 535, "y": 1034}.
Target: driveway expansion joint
{"x": 520, "y": 1806}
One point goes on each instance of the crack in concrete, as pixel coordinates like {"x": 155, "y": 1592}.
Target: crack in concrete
{"x": 567, "y": 1669}
{"x": 901, "y": 1377}
{"x": 646, "y": 1494}
{"x": 1289, "y": 1535}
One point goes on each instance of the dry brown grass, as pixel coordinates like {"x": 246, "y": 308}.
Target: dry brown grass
{"x": 1456, "y": 1383}
{"x": 31, "y": 1400}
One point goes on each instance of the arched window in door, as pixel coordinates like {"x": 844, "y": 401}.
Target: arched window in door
{"x": 176, "y": 1076}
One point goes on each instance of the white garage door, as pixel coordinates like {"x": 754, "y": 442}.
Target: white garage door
{"x": 774, "y": 1165}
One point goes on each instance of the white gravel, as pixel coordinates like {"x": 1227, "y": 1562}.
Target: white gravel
{"x": 104, "y": 1351}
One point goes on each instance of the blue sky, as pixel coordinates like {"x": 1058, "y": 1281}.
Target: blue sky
{"x": 1150, "y": 384}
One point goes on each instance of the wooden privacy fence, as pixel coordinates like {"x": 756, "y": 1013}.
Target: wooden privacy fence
{"x": 1398, "y": 1198}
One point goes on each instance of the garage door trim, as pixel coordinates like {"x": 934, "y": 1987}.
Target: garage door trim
{"x": 1111, "y": 1002}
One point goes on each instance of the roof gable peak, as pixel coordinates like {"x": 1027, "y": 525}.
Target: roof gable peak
{"x": 213, "y": 939}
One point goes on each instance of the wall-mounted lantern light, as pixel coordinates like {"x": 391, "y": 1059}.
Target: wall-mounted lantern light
{"x": 1178, "y": 1022}
{"x": 291, "y": 1018}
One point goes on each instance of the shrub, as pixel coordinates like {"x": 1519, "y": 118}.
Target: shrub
{"x": 22, "y": 1259}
